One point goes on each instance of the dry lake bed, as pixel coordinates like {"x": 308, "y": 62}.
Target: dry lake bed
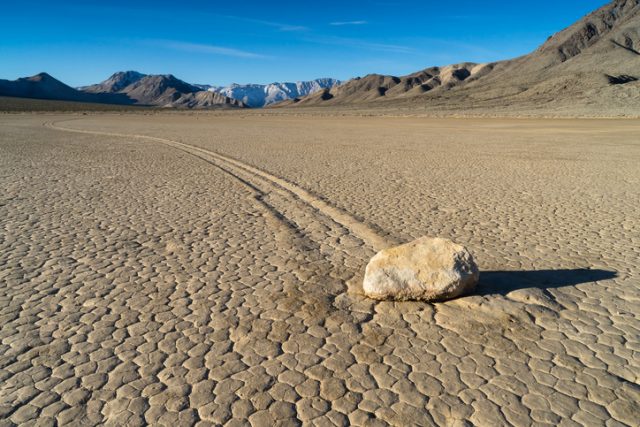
{"x": 206, "y": 269}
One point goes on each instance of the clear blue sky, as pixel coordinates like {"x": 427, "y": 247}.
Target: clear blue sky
{"x": 251, "y": 41}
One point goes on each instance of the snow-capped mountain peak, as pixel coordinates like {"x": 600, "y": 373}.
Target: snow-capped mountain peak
{"x": 256, "y": 95}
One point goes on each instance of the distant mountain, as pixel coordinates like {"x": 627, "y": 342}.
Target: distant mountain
{"x": 123, "y": 88}
{"x": 43, "y": 86}
{"x": 115, "y": 83}
{"x": 375, "y": 86}
{"x": 255, "y": 95}
{"x": 163, "y": 90}
{"x": 158, "y": 90}
{"x": 596, "y": 61}
{"x": 204, "y": 99}
{"x": 166, "y": 90}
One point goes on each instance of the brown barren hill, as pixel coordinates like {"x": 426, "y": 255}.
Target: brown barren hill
{"x": 595, "y": 62}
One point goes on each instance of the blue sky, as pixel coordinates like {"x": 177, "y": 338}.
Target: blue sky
{"x": 248, "y": 41}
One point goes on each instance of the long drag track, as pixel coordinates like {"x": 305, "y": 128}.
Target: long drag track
{"x": 258, "y": 179}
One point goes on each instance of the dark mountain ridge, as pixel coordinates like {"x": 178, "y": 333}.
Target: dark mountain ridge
{"x": 43, "y": 86}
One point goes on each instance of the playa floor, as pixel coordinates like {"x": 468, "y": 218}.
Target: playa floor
{"x": 205, "y": 269}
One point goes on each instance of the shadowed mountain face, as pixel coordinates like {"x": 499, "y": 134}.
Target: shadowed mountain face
{"x": 592, "y": 62}
{"x": 43, "y": 86}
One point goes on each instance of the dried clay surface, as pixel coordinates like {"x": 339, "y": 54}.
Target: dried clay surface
{"x": 206, "y": 270}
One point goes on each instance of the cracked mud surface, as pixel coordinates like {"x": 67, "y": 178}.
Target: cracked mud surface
{"x": 205, "y": 270}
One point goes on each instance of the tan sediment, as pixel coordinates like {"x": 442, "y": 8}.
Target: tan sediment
{"x": 361, "y": 230}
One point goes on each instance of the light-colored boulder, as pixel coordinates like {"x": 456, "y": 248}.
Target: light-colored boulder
{"x": 427, "y": 269}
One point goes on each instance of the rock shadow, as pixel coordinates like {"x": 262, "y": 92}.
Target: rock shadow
{"x": 503, "y": 282}
{"x": 628, "y": 48}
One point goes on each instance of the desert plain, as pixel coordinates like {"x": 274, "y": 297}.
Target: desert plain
{"x": 206, "y": 269}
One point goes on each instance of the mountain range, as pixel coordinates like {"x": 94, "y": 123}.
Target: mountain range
{"x": 163, "y": 90}
{"x": 43, "y": 86}
{"x": 134, "y": 88}
{"x": 595, "y": 62}
{"x": 122, "y": 88}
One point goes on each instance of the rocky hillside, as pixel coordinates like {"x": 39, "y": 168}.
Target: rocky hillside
{"x": 115, "y": 83}
{"x": 158, "y": 90}
{"x": 375, "y": 86}
{"x": 204, "y": 99}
